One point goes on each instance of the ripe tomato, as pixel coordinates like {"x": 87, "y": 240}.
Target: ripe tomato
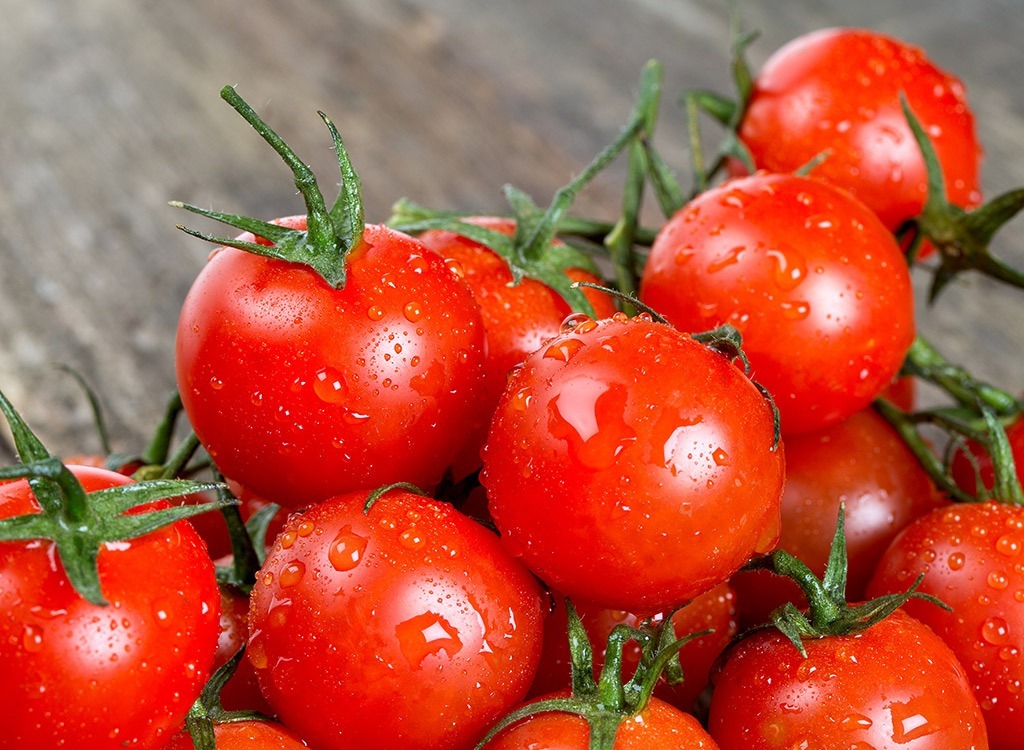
{"x": 971, "y": 555}
{"x": 863, "y": 463}
{"x": 628, "y": 440}
{"x": 895, "y": 684}
{"x": 125, "y": 675}
{"x": 244, "y": 735}
{"x": 657, "y": 726}
{"x": 963, "y": 469}
{"x": 300, "y": 391}
{"x": 836, "y": 91}
{"x": 517, "y": 319}
{"x": 411, "y": 615}
{"x": 242, "y": 691}
{"x": 714, "y": 610}
{"x": 817, "y": 286}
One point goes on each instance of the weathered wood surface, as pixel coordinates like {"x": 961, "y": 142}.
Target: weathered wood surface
{"x": 108, "y": 109}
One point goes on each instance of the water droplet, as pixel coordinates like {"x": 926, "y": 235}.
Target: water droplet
{"x": 1006, "y": 653}
{"x": 375, "y": 312}
{"x": 413, "y": 311}
{"x": 856, "y": 722}
{"x": 1008, "y": 545}
{"x": 216, "y": 383}
{"x": 256, "y": 652}
{"x": 412, "y": 539}
{"x": 997, "y": 579}
{"x": 956, "y": 561}
{"x": 455, "y": 267}
{"x": 590, "y": 415}
{"x": 789, "y": 268}
{"x": 329, "y": 386}
{"x": 578, "y": 322}
{"x": 346, "y": 550}
{"x": 32, "y": 639}
{"x": 286, "y": 539}
{"x": 256, "y": 398}
{"x": 522, "y": 398}
{"x": 291, "y": 573}
{"x": 995, "y": 631}
{"x": 720, "y": 457}
{"x": 909, "y": 724}
{"x": 425, "y": 635}
{"x": 305, "y": 528}
{"x": 736, "y": 198}
{"x": 563, "y": 349}
{"x": 354, "y": 417}
{"x": 795, "y": 310}
{"x": 729, "y": 258}
{"x": 418, "y": 263}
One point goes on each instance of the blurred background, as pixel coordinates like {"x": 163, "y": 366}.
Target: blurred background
{"x": 108, "y": 109}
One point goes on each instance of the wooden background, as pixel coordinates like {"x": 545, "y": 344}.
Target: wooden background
{"x": 110, "y": 108}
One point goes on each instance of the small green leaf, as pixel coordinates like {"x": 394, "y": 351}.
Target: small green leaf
{"x": 25, "y": 442}
{"x": 378, "y": 493}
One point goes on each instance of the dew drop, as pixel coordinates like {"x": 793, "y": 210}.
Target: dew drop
{"x": 522, "y": 398}
{"x": 329, "y": 386}
{"x": 424, "y": 635}
{"x": 216, "y": 383}
{"x": 291, "y": 573}
{"x": 32, "y": 639}
{"x": 995, "y": 631}
{"x": 286, "y": 539}
{"x": 346, "y": 550}
{"x": 412, "y": 539}
{"x": 418, "y": 263}
{"x": 856, "y": 722}
{"x": 413, "y": 311}
{"x": 795, "y": 310}
{"x": 729, "y": 258}
{"x": 997, "y": 579}
{"x": 563, "y": 349}
{"x": 956, "y": 561}
{"x": 576, "y": 322}
{"x": 789, "y": 268}
{"x": 354, "y": 417}
{"x": 375, "y": 312}
{"x": 1008, "y": 545}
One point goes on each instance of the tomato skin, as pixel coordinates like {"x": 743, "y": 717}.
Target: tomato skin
{"x": 971, "y": 557}
{"x": 244, "y": 735}
{"x": 630, "y": 440}
{"x": 895, "y": 685}
{"x": 837, "y": 91}
{"x": 300, "y": 391}
{"x": 863, "y": 463}
{"x": 242, "y": 691}
{"x": 517, "y": 319}
{"x": 95, "y": 677}
{"x": 411, "y": 614}
{"x": 714, "y": 610}
{"x": 657, "y": 726}
{"x": 817, "y": 286}
{"x": 962, "y": 469}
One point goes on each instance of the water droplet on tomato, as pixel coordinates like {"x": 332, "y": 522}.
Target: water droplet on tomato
{"x": 329, "y": 386}
{"x": 418, "y": 263}
{"x": 32, "y": 639}
{"x": 375, "y": 312}
{"x": 354, "y": 417}
{"x": 522, "y": 398}
{"x": 736, "y": 198}
{"x": 996, "y": 631}
{"x": 216, "y": 383}
{"x": 256, "y": 652}
{"x": 346, "y": 550}
{"x": 305, "y": 528}
{"x": 683, "y": 255}
{"x": 856, "y": 723}
{"x": 590, "y": 416}
{"x": 425, "y": 635}
{"x": 578, "y": 322}
{"x": 908, "y": 723}
{"x": 286, "y": 539}
{"x": 412, "y": 539}
{"x": 563, "y": 349}
{"x": 956, "y": 561}
{"x": 455, "y": 267}
{"x": 997, "y": 579}
{"x": 1008, "y": 545}
{"x": 720, "y": 457}
{"x": 1007, "y": 653}
{"x": 789, "y": 268}
{"x": 413, "y": 311}
{"x": 729, "y": 258}
{"x": 291, "y": 573}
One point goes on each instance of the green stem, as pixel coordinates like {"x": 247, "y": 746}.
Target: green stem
{"x": 924, "y": 361}
{"x": 823, "y": 609}
{"x": 160, "y": 444}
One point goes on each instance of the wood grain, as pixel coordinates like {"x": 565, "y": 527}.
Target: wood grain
{"x": 109, "y": 109}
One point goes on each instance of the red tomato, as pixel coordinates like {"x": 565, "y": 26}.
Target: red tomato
{"x": 631, "y": 466}
{"x": 971, "y": 555}
{"x": 300, "y": 391}
{"x": 963, "y": 469}
{"x": 517, "y": 319}
{"x": 715, "y": 610}
{"x": 125, "y": 675}
{"x": 657, "y": 726}
{"x": 817, "y": 286}
{"x": 894, "y": 685}
{"x": 406, "y": 627}
{"x": 242, "y": 691}
{"x": 244, "y": 735}
{"x": 863, "y": 463}
{"x": 836, "y": 91}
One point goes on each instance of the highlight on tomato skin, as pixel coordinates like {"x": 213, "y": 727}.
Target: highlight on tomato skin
{"x": 410, "y": 613}
{"x": 836, "y": 92}
{"x": 816, "y": 285}
{"x": 647, "y": 449}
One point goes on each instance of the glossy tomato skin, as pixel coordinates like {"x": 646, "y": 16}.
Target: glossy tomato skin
{"x": 517, "y": 319}
{"x": 972, "y": 556}
{"x": 863, "y": 463}
{"x": 816, "y": 285}
{"x": 657, "y": 726}
{"x": 411, "y": 614}
{"x": 300, "y": 391}
{"x": 714, "y": 610}
{"x": 836, "y": 91}
{"x": 79, "y": 675}
{"x": 894, "y": 686}
{"x": 632, "y": 467}
{"x": 244, "y": 735}
{"x": 242, "y": 691}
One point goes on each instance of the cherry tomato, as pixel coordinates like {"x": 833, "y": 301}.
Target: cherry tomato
{"x": 971, "y": 557}
{"x": 863, "y": 463}
{"x": 714, "y": 610}
{"x": 631, "y": 466}
{"x": 836, "y": 91}
{"x": 244, "y": 735}
{"x": 405, "y": 627}
{"x": 657, "y": 726}
{"x": 517, "y": 318}
{"x": 894, "y": 685}
{"x": 817, "y": 286}
{"x": 300, "y": 391}
{"x": 242, "y": 691}
{"x": 963, "y": 468}
{"x": 125, "y": 675}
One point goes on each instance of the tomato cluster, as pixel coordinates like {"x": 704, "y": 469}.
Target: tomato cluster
{"x": 518, "y": 512}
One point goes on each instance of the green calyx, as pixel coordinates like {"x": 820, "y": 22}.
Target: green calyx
{"x": 80, "y": 522}
{"x": 531, "y": 251}
{"x": 828, "y": 612}
{"x": 604, "y": 703}
{"x": 961, "y": 237}
{"x": 330, "y": 235}
{"x": 207, "y": 711}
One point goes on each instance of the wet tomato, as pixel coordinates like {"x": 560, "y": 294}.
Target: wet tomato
{"x": 630, "y": 466}
{"x": 410, "y": 614}
{"x": 836, "y": 92}
{"x": 244, "y": 735}
{"x": 974, "y": 465}
{"x": 300, "y": 391}
{"x": 817, "y": 286}
{"x": 894, "y": 685}
{"x": 80, "y": 675}
{"x": 972, "y": 557}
